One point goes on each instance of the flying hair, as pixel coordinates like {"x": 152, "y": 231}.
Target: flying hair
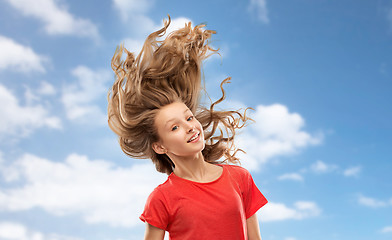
{"x": 167, "y": 71}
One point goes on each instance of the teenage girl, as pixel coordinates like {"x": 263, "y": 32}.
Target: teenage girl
{"x": 154, "y": 109}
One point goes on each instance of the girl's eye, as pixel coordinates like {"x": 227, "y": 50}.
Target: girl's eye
{"x": 190, "y": 118}
{"x": 174, "y": 128}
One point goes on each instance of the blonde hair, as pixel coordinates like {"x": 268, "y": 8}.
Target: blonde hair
{"x": 166, "y": 71}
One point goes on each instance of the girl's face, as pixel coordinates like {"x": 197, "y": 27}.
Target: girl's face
{"x": 180, "y": 134}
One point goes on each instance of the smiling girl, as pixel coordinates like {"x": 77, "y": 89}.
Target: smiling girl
{"x": 154, "y": 109}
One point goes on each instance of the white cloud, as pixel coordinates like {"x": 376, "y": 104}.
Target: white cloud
{"x": 36, "y": 95}
{"x": 142, "y": 25}
{"x": 17, "y": 57}
{"x": 387, "y": 229}
{"x": 321, "y": 167}
{"x": 133, "y": 13}
{"x": 10, "y": 230}
{"x": 97, "y": 190}
{"x": 129, "y": 7}
{"x": 276, "y": 132}
{"x": 30, "y": 97}
{"x": 352, "y": 172}
{"x": 279, "y": 211}
{"x": 372, "y": 202}
{"x": 79, "y": 98}
{"x": 55, "y": 16}
{"x": 46, "y": 89}
{"x": 260, "y": 9}
{"x": 16, "y": 231}
{"x": 19, "y": 121}
{"x": 291, "y": 176}
{"x": 133, "y": 45}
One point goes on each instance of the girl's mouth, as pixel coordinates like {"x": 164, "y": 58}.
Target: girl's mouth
{"x": 194, "y": 138}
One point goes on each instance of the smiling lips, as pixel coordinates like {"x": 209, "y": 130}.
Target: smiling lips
{"x": 194, "y": 138}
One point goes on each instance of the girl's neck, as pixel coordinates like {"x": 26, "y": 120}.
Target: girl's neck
{"x": 193, "y": 168}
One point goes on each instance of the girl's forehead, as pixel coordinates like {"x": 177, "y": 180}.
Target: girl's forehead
{"x": 173, "y": 110}
{"x": 175, "y": 106}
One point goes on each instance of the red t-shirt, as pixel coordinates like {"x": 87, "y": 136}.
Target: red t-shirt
{"x": 214, "y": 210}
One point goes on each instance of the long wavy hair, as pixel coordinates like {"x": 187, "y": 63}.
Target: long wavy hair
{"x": 166, "y": 71}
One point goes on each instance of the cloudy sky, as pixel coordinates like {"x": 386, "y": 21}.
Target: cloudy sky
{"x": 317, "y": 73}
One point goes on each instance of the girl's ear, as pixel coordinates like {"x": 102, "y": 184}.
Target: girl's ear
{"x": 158, "y": 148}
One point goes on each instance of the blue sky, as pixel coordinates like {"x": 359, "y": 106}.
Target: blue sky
{"x": 318, "y": 74}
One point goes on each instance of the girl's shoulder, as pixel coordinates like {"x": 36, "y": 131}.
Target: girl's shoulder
{"x": 236, "y": 170}
{"x": 167, "y": 185}
{"x": 159, "y": 191}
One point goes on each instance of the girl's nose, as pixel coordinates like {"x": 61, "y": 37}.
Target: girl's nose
{"x": 191, "y": 128}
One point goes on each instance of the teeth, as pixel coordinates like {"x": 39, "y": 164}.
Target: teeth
{"x": 190, "y": 140}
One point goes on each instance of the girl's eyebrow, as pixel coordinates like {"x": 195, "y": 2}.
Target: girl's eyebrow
{"x": 173, "y": 119}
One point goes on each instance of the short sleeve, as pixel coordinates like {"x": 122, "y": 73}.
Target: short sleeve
{"x": 155, "y": 211}
{"x": 253, "y": 198}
